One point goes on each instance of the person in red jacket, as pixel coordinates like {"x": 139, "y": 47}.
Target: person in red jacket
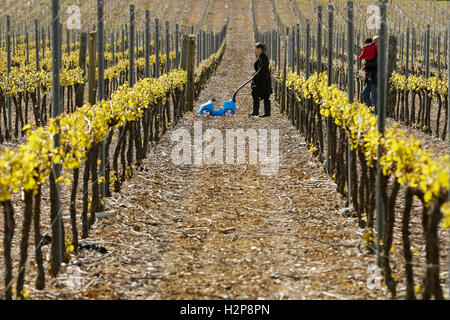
{"x": 369, "y": 53}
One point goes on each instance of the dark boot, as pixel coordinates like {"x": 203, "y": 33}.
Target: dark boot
{"x": 266, "y": 108}
{"x": 255, "y": 107}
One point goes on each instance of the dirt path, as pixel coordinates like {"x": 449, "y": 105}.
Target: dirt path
{"x": 286, "y": 13}
{"x": 218, "y": 232}
{"x": 264, "y": 15}
{"x": 174, "y": 12}
{"x": 196, "y": 10}
{"x": 216, "y": 20}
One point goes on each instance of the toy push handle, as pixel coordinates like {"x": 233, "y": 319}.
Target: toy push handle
{"x": 239, "y": 89}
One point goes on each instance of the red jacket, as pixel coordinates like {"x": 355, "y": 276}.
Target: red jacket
{"x": 369, "y": 52}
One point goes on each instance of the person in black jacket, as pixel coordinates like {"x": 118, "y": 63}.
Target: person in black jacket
{"x": 261, "y": 84}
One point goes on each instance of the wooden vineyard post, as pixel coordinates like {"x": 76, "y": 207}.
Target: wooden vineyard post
{"x": 79, "y": 88}
{"x": 382, "y": 90}
{"x": 427, "y": 75}
{"x": 212, "y": 40}
{"x": 308, "y": 49}
{"x": 283, "y": 79}
{"x": 14, "y": 44}
{"x": 199, "y": 45}
{"x": 290, "y": 57}
{"x": 278, "y": 50}
{"x": 351, "y": 91}
{"x": 157, "y": 74}
{"x": 414, "y": 48}
{"x": 38, "y": 68}
{"x": 43, "y": 41}
{"x": 131, "y": 42}
{"x": 177, "y": 46}
{"x": 276, "y": 66}
{"x": 27, "y": 40}
{"x": 126, "y": 35}
{"x": 190, "y": 75}
{"x": 290, "y": 50}
{"x": 208, "y": 43}
{"x": 391, "y": 66}
{"x": 297, "y": 44}
{"x": 60, "y": 66}
{"x": 168, "y": 114}
{"x": 297, "y": 105}
{"x": 216, "y": 43}
{"x": 113, "y": 49}
{"x": 92, "y": 84}
{"x": 49, "y": 38}
{"x": 184, "y": 52}
{"x": 116, "y": 44}
{"x": 183, "y": 65}
{"x": 8, "y": 70}
{"x": 204, "y": 43}
{"x": 157, "y": 48}
{"x": 313, "y": 45}
{"x": 402, "y": 43}
{"x": 273, "y": 46}
{"x": 168, "y": 66}
{"x": 101, "y": 95}
{"x": 213, "y": 43}
{"x": 123, "y": 44}
{"x": 405, "y": 114}
{"x": 188, "y": 63}
{"x": 55, "y": 211}
{"x": 136, "y": 40}
{"x": 330, "y": 134}
{"x": 446, "y": 46}
{"x": 439, "y": 53}
{"x": 147, "y": 111}
{"x": 28, "y": 46}
{"x": 319, "y": 40}
{"x": 147, "y": 44}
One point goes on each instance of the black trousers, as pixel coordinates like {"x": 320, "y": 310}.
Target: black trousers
{"x": 256, "y": 105}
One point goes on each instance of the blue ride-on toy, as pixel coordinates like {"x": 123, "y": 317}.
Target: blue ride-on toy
{"x": 228, "y": 109}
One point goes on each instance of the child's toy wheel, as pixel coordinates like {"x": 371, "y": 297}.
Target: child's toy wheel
{"x": 206, "y": 113}
{"x": 228, "y": 113}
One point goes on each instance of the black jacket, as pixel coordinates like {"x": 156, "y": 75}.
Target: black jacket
{"x": 262, "y": 84}
{"x": 371, "y": 68}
